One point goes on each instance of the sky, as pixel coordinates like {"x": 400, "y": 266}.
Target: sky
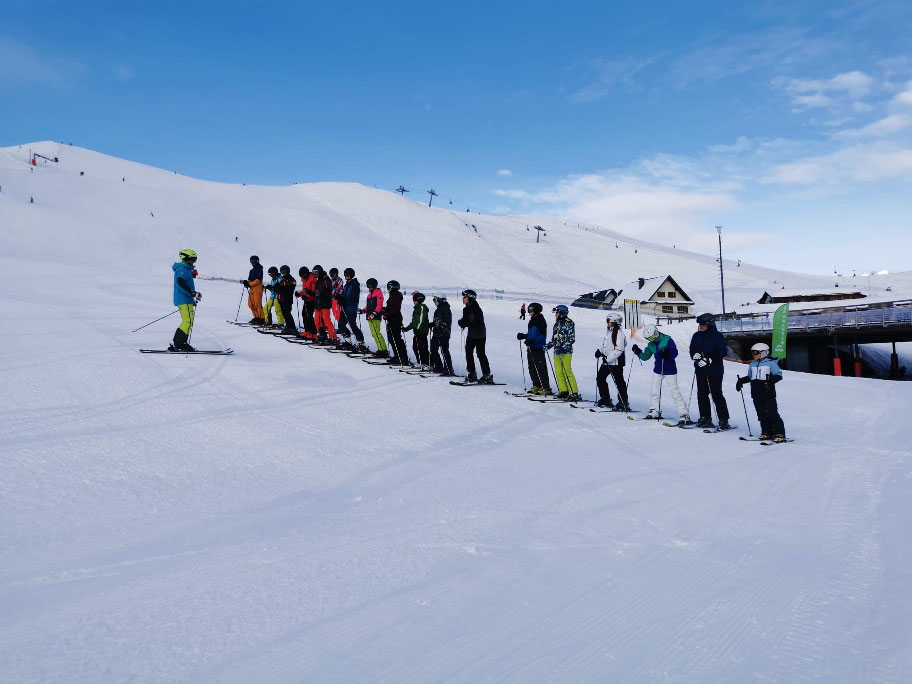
{"x": 787, "y": 123}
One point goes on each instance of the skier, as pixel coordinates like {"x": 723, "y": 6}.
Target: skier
{"x": 536, "y": 337}
{"x": 272, "y": 302}
{"x": 419, "y": 326}
{"x": 393, "y": 315}
{"x": 440, "y": 337}
{"x": 476, "y": 335}
{"x": 254, "y": 285}
{"x": 665, "y": 351}
{"x": 284, "y": 289}
{"x": 323, "y": 293}
{"x": 373, "y": 310}
{"x": 563, "y": 335}
{"x": 522, "y": 312}
{"x": 185, "y": 299}
{"x": 308, "y": 284}
{"x": 337, "y": 287}
{"x": 348, "y": 305}
{"x": 763, "y": 373}
{"x": 612, "y": 354}
{"x": 707, "y": 349}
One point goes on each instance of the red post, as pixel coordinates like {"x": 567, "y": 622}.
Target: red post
{"x": 857, "y": 368}
{"x": 837, "y": 366}
{"x": 34, "y": 161}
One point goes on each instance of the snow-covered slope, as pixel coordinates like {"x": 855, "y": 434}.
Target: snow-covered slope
{"x": 289, "y": 515}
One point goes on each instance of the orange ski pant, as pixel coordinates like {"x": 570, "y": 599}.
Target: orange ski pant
{"x": 322, "y": 318}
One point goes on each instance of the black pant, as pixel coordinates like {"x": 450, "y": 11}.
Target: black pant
{"x": 287, "y": 314}
{"x": 477, "y": 346}
{"x": 420, "y": 348}
{"x": 706, "y": 385}
{"x": 307, "y": 314}
{"x": 394, "y": 334}
{"x": 601, "y": 379}
{"x": 538, "y": 368}
{"x": 347, "y": 318}
{"x": 764, "y": 396}
{"x": 441, "y": 345}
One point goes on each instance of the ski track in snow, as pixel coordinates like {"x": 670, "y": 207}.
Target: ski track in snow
{"x": 290, "y": 515}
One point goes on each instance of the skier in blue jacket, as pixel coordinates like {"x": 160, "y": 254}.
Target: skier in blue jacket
{"x": 348, "y": 311}
{"x": 185, "y": 298}
{"x": 707, "y": 349}
{"x": 763, "y": 373}
{"x": 665, "y": 351}
{"x": 536, "y": 337}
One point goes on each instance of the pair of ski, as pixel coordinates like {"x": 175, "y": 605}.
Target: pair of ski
{"x": 764, "y": 442}
{"x": 464, "y": 383}
{"x": 202, "y": 352}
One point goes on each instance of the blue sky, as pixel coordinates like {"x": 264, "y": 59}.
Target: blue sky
{"x": 789, "y": 123}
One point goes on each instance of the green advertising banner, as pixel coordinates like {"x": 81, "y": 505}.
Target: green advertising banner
{"x": 780, "y": 331}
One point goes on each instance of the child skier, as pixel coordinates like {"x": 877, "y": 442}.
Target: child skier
{"x": 563, "y": 335}
{"x": 763, "y": 373}
{"x": 254, "y": 285}
{"x": 665, "y": 351}
{"x": 337, "y": 287}
{"x": 440, "y": 337}
{"x": 612, "y": 355}
{"x": 536, "y": 339}
{"x": 476, "y": 336}
{"x": 373, "y": 310}
{"x": 185, "y": 299}
{"x": 272, "y": 302}
{"x": 419, "y": 326}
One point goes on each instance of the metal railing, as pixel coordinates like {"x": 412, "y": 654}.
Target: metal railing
{"x": 897, "y": 315}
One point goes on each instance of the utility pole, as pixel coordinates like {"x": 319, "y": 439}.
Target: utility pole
{"x": 401, "y": 190}
{"x": 539, "y": 230}
{"x": 721, "y": 270}
{"x": 432, "y": 196}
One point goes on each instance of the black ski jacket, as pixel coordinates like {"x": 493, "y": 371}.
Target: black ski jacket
{"x": 711, "y": 344}
{"x": 443, "y": 321}
{"x": 473, "y": 321}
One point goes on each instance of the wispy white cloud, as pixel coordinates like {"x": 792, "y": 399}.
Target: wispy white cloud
{"x": 864, "y": 164}
{"x": 512, "y": 194}
{"x": 504, "y": 172}
{"x": 20, "y": 64}
{"x": 606, "y": 74}
{"x": 889, "y": 125}
{"x": 812, "y": 93}
{"x": 904, "y": 97}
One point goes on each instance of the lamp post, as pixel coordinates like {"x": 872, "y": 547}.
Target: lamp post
{"x": 721, "y": 271}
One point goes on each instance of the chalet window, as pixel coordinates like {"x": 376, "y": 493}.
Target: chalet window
{"x": 660, "y": 294}
{"x": 682, "y": 309}
{"x": 672, "y": 295}
{"x": 668, "y": 309}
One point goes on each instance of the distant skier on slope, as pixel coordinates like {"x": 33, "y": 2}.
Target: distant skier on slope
{"x": 563, "y": 335}
{"x": 707, "y": 349}
{"x": 373, "y": 311}
{"x": 476, "y": 335}
{"x": 419, "y": 326}
{"x": 763, "y": 373}
{"x": 254, "y": 285}
{"x": 393, "y": 315}
{"x": 185, "y": 298}
{"x": 535, "y": 339}
{"x": 272, "y": 300}
{"x": 440, "y": 337}
{"x": 612, "y": 355}
{"x": 522, "y": 312}
{"x": 665, "y": 351}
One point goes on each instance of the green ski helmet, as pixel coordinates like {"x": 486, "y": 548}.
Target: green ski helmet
{"x": 187, "y": 254}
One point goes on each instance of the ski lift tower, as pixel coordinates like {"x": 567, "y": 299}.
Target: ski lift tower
{"x": 432, "y": 194}
{"x": 401, "y": 190}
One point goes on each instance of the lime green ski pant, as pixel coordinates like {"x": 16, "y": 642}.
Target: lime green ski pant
{"x": 187, "y": 313}
{"x": 564, "y": 373}
{"x": 374, "y": 325}
{"x": 273, "y": 304}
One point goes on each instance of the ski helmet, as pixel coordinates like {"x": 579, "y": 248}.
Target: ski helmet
{"x": 761, "y": 348}
{"x": 392, "y": 285}
{"x": 349, "y": 272}
{"x": 186, "y": 254}
{"x": 439, "y": 298}
{"x": 303, "y": 271}
{"x": 417, "y": 296}
{"x": 254, "y": 258}
{"x": 273, "y": 271}
{"x": 333, "y": 272}
{"x": 317, "y": 270}
{"x": 534, "y": 308}
{"x": 371, "y": 283}
{"x": 614, "y": 317}
{"x": 561, "y": 310}
{"x": 285, "y": 269}
{"x": 650, "y": 332}
{"x": 471, "y": 294}
{"x": 706, "y": 319}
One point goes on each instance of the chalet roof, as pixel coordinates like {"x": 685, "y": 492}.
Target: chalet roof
{"x": 686, "y": 300}
{"x": 813, "y": 292}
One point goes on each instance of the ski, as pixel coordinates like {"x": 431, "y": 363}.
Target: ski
{"x": 473, "y": 384}
{"x": 750, "y": 439}
{"x": 210, "y": 352}
{"x": 774, "y": 443}
{"x": 436, "y": 375}
{"x": 608, "y": 410}
{"x": 276, "y": 333}
{"x": 712, "y": 431}
{"x": 519, "y": 394}
{"x": 243, "y": 325}
{"x": 588, "y": 405}
{"x": 684, "y": 426}
{"x": 548, "y": 400}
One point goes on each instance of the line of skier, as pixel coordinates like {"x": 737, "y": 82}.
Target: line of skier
{"x": 325, "y": 297}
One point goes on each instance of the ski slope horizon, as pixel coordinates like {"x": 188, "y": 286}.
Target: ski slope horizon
{"x": 287, "y": 515}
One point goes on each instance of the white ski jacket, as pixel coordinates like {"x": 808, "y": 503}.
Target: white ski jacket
{"x": 612, "y": 352}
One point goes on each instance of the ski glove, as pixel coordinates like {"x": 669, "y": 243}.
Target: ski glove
{"x": 528, "y": 343}
{"x": 598, "y": 353}
{"x": 197, "y": 296}
{"x": 520, "y": 336}
{"x": 697, "y": 356}
{"x": 549, "y": 345}
{"x": 739, "y": 383}
{"x": 636, "y": 350}
{"x": 245, "y": 283}
{"x": 704, "y": 362}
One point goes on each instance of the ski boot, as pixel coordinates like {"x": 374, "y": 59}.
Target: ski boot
{"x": 575, "y": 397}
{"x": 779, "y": 439}
{"x": 471, "y": 377}
{"x": 705, "y": 423}
{"x": 653, "y": 415}
{"x": 684, "y": 420}
{"x": 765, "y": 436}
{"x": 605, "y": 403}
{"x": 486, "y": 379}
{"x": 563, "y": 395}
{"x": 724, "y": 425}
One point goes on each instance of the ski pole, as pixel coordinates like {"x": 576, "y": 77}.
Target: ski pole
{"x": 156, "y": 320}
{"x": 522, "y": 364}
{"x": 690, "y": 396}
{"x": 192, "y": 319}
{"x": 239, "y": 304}
{"x": 462, "y": 346}
{"x": 548, "y": 356}
{"x": 744, "y": 404}
{"x": 661, "y": 382}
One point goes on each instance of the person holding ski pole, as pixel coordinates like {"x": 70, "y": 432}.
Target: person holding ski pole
{"x": 254, "y": 285}
{"x": 476, "y": 335}
{"x": 665, "y": 351}
{"x": 285, "y": 288}
{"x": 535, "y": 339}
{"x": 348, "y": 306}
{"x": 373, "y": 310}
{"x": 272, "y": 301}
{"x": 323, "y": 305}
{"x": 185, "y": 299}
{"x": 563, "y": 335}
{"x": 763, "y": 373}
{"x": 440, "y": 337}
{"x": 337, "y": 287}
{"x": 612, "y": 355}
{"x": 419, "y": 325}
{"x": 308, "y": 286}
{"x": 393, "y": 315}
{"x": 707, "y": 349}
